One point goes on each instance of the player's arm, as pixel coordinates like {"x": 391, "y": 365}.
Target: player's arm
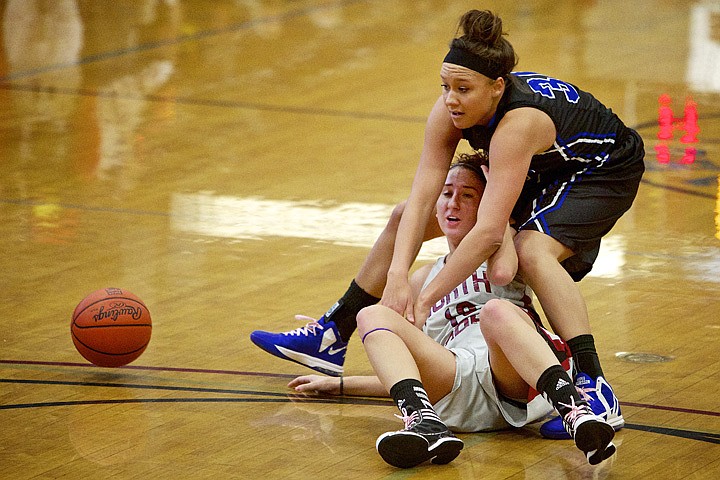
{"x": 503, "y": 264}
{"x": 519, "y": 135}
{"x": 441, "y": 139}
{"x": 361, "y": 385}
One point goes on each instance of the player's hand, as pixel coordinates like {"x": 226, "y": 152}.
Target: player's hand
{"x": 315, "y": 384}
{"x": 398, "y": 297}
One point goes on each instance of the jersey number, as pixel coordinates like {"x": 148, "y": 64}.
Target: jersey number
{"x": 547, "y": 87}
{"x": 464, "y": 310}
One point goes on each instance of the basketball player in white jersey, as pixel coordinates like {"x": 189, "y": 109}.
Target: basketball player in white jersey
{"x": 482, "y": 353}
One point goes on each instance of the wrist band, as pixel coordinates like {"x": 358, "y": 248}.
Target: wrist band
{"x": 341, "y": 385}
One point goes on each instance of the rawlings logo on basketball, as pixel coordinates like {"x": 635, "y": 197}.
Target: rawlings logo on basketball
{"x": 109, "y": 330}
{"x": 117, "y": 310}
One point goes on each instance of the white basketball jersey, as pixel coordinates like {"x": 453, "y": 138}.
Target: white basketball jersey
{"x": 474, "y": 404}
{"x": 453, "y": 313}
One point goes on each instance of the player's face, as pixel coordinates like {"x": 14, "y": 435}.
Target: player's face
{"x": 470, "y": 97}
{"x": 457, "y": 206}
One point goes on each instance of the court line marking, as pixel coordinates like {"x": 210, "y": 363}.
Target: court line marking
{"x": 292, "y": 397}
{"x": 707, "y": 437}
{"x": 676, "y": 189}
{"x": 674, "y": 432}
{"x": 146, "y": 367}
{"x": 200, "y": 102}
{"x": 143, "y": 47}
{"x": 275, "y": 397}
{"x": 231, "y": 372}
{"x": 176, "y": 388}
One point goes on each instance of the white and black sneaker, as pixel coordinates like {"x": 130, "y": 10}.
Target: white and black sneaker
{"x": 421, "y": 440}
{"x": 592, "y": 433}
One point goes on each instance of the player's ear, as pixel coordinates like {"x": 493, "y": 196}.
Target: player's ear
{"x": 498, "y": 87}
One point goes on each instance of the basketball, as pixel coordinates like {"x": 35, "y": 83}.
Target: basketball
{"x": 111, "y": 327}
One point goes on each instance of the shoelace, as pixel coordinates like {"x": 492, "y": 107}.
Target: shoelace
{"x": 584, "y": 393}
{"x": 409, "y": 420}
{"x": 576, "y": 411}
{"x": 309, "y": 328}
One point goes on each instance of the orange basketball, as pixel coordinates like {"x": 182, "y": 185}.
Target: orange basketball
{"x": 111, "y": 327}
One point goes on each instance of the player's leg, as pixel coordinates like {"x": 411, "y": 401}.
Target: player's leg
{"x": 572, "y": 215}
{"x": 321, "y": 344}
{"x": 398, "y": 352}
{"x": 367, "y": 287}
{"x": 562, "y": 301}
{"x": 520, "y": 357}
{"x": 539, "y": 264}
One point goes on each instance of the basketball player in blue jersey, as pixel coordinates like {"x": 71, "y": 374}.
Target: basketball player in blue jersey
{"x": 481, "y": 357}
{"x": 564, "y": 169}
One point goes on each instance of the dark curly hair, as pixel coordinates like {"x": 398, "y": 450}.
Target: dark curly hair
{"x": 473, "y": 162}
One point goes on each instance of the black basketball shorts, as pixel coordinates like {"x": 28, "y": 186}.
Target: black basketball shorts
{"x": 579, "y": 208}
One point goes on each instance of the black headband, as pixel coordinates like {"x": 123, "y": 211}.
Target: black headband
{"x": 467, "y": 59}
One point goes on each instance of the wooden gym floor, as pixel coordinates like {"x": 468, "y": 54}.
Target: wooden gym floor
{"x": 231, "y": 162}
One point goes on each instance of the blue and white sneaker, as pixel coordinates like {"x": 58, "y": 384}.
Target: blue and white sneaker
{"x": 316, "y": 345}
{"x": 603, "y": 403}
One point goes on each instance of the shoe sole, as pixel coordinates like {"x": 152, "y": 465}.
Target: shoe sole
{"x": 595, "y": 440}
{"x": 407, "y": 450}
{"x": 301, "y": 359}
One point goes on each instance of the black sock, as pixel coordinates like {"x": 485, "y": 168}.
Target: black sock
{"x": 345, "y": 310}
{"x": 585, "y": 356}
{"x": 558, "y": 388}
{"x": 410, "y": 396}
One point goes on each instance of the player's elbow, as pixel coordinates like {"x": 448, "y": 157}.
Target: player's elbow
{"x": 501, "y": 273}
{"x": 502, "y": 265}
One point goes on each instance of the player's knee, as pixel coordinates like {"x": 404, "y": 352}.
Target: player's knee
{"x": 530, "y": 256}
{"x": 537, "y": 252}
{"x": 493, "y": 317}
{"x": 370, "y": 318}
